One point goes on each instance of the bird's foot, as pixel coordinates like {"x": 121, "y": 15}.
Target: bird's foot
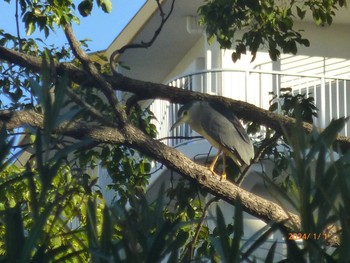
{"x": 222, "y": 176}
{"x": 211, "y": 169}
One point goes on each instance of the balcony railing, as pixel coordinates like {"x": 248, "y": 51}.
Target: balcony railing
{"x": 254, "y": 86}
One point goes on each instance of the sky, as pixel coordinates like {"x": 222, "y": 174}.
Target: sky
{"x": 100, "y": 28}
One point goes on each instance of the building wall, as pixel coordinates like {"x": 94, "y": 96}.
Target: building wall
{"x": 193, "y": 61}
{"x": 328, "y": 53}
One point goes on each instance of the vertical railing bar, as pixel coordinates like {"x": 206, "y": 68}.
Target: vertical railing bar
{"x": 315, "y": 92}
{"x": 278, "y": 89}
{"x": 323, "y": 102}
{"x": 208, "y": 83}
{"x": 345, "y": 107}
{"x": 330, "y": 99}
{"x": 247, "y": 73}
{"x": 202, "y": 82}
{"x": 337, "y": 99}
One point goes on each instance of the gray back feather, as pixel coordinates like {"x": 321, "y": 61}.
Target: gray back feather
{"x": 225, "y": 128}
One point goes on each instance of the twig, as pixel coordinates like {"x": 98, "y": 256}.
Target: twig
{"x": 90, "y": 109}
{"x": 191, "y": 246}
{"x": 92, "y": 70}
{"x": 143, "y": 44}
{"x": 17, "y": 27}
{"x": 180, "y": 138}
{"x": 265, "y": 144}
{"x": 160, "y": 8}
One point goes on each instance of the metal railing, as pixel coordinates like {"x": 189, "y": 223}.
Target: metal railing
{"x": 255, "y": 86}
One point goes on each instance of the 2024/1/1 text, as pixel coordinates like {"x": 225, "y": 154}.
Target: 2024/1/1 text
{"x": 306, "y": 236}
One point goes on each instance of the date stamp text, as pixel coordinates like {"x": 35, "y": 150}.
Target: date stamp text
{"x": 307, "y": 236}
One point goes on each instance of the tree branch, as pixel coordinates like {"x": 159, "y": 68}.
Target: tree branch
{"x": 92, "y": 70}
{"x": 189, "y": 250}
{"x": 149, "y": 90}
{"x": 143, "y": 44}
{"x": 133, "y": 137}
{"x": 262, "y": 149}
{"x": 17, "y": 27}
{"x": 90, "y": 109}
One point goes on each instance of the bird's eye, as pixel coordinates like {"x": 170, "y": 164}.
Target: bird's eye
{"x": 185, "y": 113}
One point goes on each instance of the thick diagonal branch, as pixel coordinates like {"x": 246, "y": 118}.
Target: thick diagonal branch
{"x": 133, "y": 137}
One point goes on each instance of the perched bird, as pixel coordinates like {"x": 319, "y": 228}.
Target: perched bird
{"x": 221, "y": 128}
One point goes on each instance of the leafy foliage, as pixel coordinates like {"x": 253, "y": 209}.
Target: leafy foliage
{"x": 266, "y": 24}
{"x": 317, "y": 196}
{"x": 299, "y": 105}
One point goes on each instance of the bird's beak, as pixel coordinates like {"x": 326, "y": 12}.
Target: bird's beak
{"x": 176, "y": 124}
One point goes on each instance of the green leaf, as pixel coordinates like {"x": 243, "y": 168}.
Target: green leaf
{"x": 257, "y": 240}
{"x": 91, "y": 225}
{"x": 36, "y": 232}
{"x": 235, "y": 56}
{"x": 85, "y": 8}
{"x": 305, "y": 42}
{"x": 106, "y": 236}
{"x": 5, "y": 147}
{"x": 273, "y": 107}
{"x": 301, "y": 13}
{"x": 223, "y": 235}
{"x": 270, "y": 255}
{"x": 30, "y": 28}
{"x": 14, "y": 236}
{"x": 106, "y": 5}
{"x": 238, "y": 232}
{"x": 327, "y": 137}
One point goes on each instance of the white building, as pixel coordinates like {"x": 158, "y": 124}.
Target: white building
{"x": 182, "y": 57}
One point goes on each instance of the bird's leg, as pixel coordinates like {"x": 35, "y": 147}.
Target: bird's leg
{"x": 223, "y": 175}
{"x": 212, "y": 166}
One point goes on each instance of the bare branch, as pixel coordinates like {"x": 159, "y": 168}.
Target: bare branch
{"x": 262, "y": 149}
{"x": 180, "y": 138}
{"x": 160, "y": 8}
{"x": 17, "y": 26}
{"x": 143, "y": 44}
{"x": 192, "y": 245}
{"x": 92, "y": 70}
{"x": 90, "y": 109}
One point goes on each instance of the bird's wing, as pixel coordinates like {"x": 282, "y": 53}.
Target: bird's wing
{"x": 225, "y": 128}
{"x": 232, "y": 118}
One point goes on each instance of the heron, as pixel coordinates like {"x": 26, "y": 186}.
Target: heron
{"x": 221, "y": 128}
